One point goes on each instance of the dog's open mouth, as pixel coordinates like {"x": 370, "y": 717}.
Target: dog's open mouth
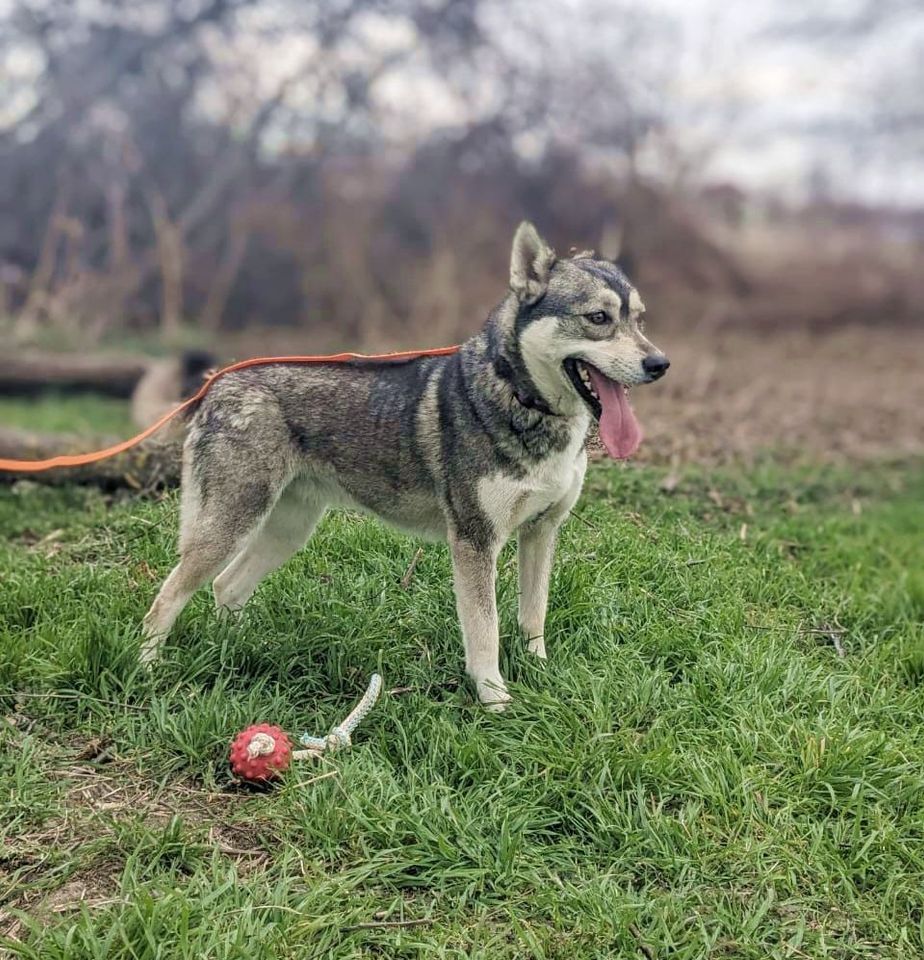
{"x": 608, "y": 399}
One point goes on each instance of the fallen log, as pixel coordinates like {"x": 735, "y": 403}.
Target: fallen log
{"x": 26, "y": 374}
{"x": 151, "y": 465}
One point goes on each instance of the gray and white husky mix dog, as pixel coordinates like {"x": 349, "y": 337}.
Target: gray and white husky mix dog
{"x": 470, "y": 448}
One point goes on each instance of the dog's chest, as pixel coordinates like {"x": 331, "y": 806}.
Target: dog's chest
{"x": 511, "y": 501}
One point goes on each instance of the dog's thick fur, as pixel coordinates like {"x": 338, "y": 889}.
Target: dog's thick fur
{"x": 472, "y": 448}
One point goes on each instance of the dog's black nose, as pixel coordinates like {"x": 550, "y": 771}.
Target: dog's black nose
{"x": 655, "y": 365}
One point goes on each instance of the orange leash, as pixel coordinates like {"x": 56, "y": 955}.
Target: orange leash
{"x": 81, "y": 459}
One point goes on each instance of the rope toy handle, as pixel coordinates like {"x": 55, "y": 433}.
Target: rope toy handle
{"x": 340, "y": 736}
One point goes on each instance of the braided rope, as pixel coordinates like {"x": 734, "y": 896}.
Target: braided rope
{"x": 340, "y": 736}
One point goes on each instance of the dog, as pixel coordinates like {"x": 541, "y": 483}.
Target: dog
{"x": 471, "y": 448}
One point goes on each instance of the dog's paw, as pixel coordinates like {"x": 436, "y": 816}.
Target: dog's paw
{"x": 149, "y": 654}
{"x": 493, "y": 695}
{"x": 151, "y": 643}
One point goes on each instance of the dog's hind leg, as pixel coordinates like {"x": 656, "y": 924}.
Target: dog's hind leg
{"x": 283, "y": 533}
{"x": 474, "y": 574}
{"x": 213, "y": 529}
{"x": 535, "y": 552}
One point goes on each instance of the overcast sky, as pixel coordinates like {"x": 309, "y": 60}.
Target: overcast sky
{"x": 785, "y": 92}
{"x": 769, "y": 109}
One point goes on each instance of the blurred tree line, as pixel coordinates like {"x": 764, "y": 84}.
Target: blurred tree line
{"x": 357, "y": 164}
{"x": 347, "y": 166}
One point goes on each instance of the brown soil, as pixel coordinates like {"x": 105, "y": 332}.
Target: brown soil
{"x": 851, "y": 394}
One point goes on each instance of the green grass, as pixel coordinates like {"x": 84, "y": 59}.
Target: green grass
{"x": 89, "y": 414}
{"x": 695, "y": 772}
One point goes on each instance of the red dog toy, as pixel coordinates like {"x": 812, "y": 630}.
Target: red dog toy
{"x": 260, "y": 753}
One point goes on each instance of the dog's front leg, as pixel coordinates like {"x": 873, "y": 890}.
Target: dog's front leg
{"x": 474, "y": 573}
{"x": 535, "y": 553}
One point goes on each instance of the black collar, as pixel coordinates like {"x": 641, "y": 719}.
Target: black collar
{"x": 532, "y": 402}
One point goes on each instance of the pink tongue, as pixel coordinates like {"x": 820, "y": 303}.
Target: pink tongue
{"x": 620, "y": 432}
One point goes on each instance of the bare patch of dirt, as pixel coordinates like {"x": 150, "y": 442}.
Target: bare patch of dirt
{"x": 93, "y": 888}
{"x": 850, "y": 394}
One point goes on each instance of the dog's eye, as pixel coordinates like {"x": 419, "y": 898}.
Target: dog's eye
{"x": 598, "y": 317}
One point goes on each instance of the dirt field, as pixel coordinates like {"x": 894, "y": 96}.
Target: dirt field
{"x": 856, "y": 393}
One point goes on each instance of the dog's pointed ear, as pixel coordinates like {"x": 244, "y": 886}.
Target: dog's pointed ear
{"x": 531, "y": 262}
